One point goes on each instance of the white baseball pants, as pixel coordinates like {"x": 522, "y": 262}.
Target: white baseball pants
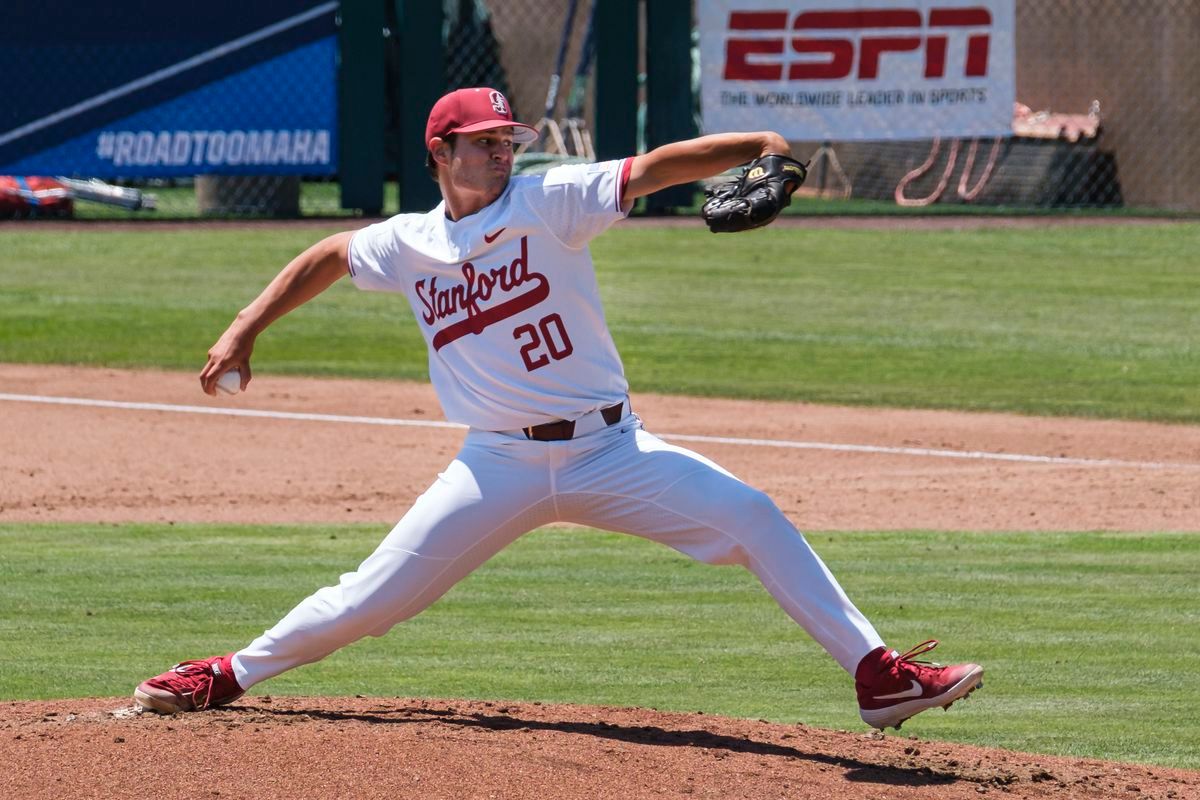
{"x": 502, "y": 485}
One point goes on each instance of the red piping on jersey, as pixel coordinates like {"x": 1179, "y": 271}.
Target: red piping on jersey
{"x": 622, "y": 182}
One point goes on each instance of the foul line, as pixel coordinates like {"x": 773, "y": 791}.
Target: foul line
{"x": 932, "y": 453}
{"x": 167, "y": 72}
{"x": 978, "y": 455}
{"x": 228, "y": 412}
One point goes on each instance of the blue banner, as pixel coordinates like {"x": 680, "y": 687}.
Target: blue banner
{"x": 181, "y": 93}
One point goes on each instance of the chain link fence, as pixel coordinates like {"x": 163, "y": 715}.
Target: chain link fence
{"x": 154, "y": 165}
{"x": 1102, "y": 120}
{"x": 214, "y": 110}
{"x": 1104, "y": 116}
{"x": 541, "y": 54}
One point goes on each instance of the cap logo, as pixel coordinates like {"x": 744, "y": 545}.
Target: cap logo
{"x": 499, "y": 104}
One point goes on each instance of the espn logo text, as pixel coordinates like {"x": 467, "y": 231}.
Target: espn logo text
{"x": 831, "y": 45}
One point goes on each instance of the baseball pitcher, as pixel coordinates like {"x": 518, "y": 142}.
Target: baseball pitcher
{"x": 501, "y": 283}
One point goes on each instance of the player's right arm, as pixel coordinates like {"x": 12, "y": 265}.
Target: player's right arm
{"x": 308, "y": 274}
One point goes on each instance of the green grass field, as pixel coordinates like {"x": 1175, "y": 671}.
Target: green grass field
{"x": 1090, "y": 321}
{"x": 1092, "y": 641}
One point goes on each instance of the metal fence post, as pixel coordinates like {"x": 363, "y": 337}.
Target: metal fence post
{"x": 361, "y": 107}
{"x": 421, "y": 82}
{"x": 615, "y": 123}
{"x": 669, "y": 88}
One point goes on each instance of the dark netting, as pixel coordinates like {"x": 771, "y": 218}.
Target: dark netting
{"x": 472, "y": 49}
{"x": 540, "y": 53}
{"x": 213, "y": 110}
{"x": 1103, "y": 116}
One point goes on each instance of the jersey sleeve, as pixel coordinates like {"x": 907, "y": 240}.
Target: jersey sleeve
{"x": 578, "y": 202}
{"x": 374, "y": 256}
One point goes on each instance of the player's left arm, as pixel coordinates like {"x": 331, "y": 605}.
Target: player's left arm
{"x": 695, "y": 159}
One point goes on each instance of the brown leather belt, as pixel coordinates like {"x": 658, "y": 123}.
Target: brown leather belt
{"x": 563, "y": 429}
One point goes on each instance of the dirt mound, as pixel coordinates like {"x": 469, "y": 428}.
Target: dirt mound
{"x": 311, "y": 747}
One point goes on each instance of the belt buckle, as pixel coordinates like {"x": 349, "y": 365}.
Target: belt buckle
{"x": 559, "y": 431}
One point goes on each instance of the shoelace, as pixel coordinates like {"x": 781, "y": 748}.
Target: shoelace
{"x": 201, "y": 672}
{"x": 923, "y": 647}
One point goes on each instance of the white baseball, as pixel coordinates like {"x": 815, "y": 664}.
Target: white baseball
{"x": 230, "y": 382}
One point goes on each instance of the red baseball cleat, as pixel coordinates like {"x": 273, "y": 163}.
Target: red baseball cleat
{"x": 892, "y": 688}
{"x": 190, "y": 686}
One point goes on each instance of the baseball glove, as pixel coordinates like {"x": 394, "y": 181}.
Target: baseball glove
{"x": 756, "y": 198}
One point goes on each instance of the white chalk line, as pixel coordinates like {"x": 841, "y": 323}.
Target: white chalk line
{"x": 228, "y": 412}
{"x": 978, "y": 455}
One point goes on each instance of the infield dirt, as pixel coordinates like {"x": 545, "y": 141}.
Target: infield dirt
{"x": 102, "y": 464}
{"x": 91, "y": 464}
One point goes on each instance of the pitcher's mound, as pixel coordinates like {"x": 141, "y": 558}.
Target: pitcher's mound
{"x": 323, "y": 747}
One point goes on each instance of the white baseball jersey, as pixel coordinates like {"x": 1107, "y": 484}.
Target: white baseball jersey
{"x": 507, "y": 297}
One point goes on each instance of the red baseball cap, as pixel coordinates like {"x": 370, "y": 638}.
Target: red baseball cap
{"x": 473, "y": 110}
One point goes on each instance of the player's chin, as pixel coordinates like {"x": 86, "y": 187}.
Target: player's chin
{"x": 496, "y": 184}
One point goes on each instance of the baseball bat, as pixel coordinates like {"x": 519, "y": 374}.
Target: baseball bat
{"x": 561, "y": 60}
{"x": 98, "y": 191}
{"x": 584, "y": 67}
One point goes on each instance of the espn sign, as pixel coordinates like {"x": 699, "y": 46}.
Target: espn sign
{"x": 865, "y": 70}
{"x": 824, "y": 45}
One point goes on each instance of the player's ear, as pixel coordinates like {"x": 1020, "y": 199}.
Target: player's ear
{"x": 440, "y": 150}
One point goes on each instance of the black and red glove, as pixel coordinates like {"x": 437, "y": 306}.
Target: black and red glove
{"x": 757, "y": 197}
